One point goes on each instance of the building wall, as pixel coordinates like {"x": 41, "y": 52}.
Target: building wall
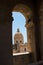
{"x": 22, "y": 59}
{"x": 41, "y": 27}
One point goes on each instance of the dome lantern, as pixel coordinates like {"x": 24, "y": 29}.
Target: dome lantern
{"x": 18, "y": 30}
{"x": 18, "y": 37}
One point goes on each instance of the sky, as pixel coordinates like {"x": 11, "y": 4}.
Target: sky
{"x": 19, "y": 22}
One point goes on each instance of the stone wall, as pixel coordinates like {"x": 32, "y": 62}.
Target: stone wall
{"x": 41, "y": 27}
{"x": 22, "y": 59}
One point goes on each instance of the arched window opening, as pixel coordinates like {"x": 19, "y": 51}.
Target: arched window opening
{"x": 19, "y": 32}
{"x": 19, "y": 22}
{"x": 16, "y": 41}
{"x": 21, "y": 25}
{"x": 25, "y": 49}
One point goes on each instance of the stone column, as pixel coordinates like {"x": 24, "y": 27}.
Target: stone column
{"x": 31, "y": 38}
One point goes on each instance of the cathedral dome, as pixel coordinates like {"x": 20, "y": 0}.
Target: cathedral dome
{"x": 18, "y": 37}
{"x": 18, "y": 34}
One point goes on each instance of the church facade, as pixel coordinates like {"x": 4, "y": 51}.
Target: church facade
{"x": 19, "y": 45}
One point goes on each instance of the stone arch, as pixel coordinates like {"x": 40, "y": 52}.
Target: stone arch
{"x": 24, "y": 9}
{"x": 9, "y": 16}
{"x": 27, "y": 12}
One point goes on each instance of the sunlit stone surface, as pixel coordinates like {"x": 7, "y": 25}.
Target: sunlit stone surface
{"x": 14, "y": 54}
